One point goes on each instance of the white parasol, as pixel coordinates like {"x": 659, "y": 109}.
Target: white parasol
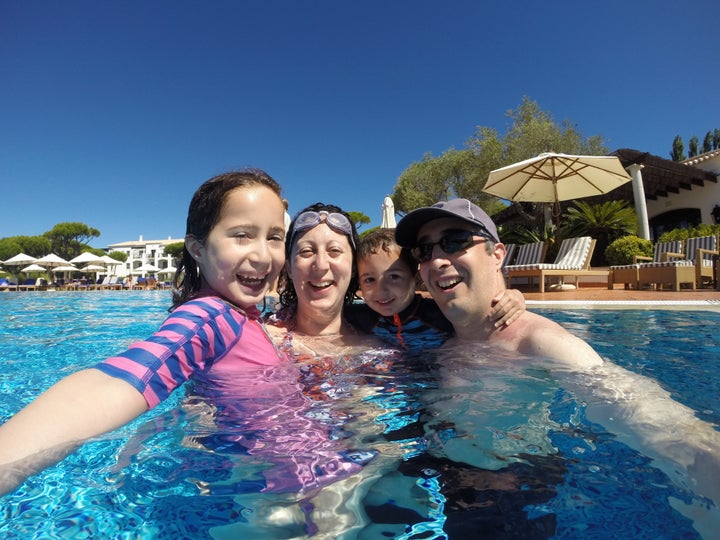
{"x": 388, "y": 213}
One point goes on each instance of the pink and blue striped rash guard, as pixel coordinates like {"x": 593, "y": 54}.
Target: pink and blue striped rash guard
{"x": 260, "y": 408}
{"x": 204, "y": 339}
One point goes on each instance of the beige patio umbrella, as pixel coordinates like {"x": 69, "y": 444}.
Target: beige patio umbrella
{"x": 552, "y": 178}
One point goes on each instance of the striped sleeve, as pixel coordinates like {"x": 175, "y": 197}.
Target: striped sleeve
{"x": 194, "y": 336}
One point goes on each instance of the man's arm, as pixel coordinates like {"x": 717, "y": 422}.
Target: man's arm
{"x": 635, "y": 407}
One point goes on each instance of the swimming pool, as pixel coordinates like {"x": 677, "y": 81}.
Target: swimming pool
{"x": 455, "y": 450}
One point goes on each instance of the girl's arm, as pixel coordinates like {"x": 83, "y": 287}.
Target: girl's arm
{"x": 80, "y": 406}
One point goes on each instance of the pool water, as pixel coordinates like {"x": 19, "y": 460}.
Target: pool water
{"x": 415, "y": 447}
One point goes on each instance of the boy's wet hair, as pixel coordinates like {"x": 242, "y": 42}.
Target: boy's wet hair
{"x": 384, "y": 239}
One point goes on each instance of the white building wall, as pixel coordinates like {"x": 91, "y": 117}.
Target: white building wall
{"x": 703, "y": 197}
{"x": 141, "y": 252}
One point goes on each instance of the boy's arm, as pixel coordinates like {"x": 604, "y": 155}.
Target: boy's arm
{"x": 506, "y": 307}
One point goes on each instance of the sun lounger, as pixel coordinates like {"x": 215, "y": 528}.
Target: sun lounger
{"x": 8, "y": 284}
{"x": 690, "y": 268}
{"x": 115, "y": 284}
{"x": 573, "y": 260}
{"x": 100, "y": 284}
{"x": 525, "y": 254}
{"x": 628, "y": 274}
{"x": 32, "y": 284}
{"x": 510, "y": 250}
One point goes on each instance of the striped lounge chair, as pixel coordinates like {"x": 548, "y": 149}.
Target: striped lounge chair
{"x": 627, "y": 274}
{"x": 690, "y": 268}
{"x": 533, "y": 253}
{"x": 573, "y": 260}
{"x": 510, "y": 250}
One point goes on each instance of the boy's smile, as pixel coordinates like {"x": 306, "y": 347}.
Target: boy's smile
{"x": 386, "y": 282}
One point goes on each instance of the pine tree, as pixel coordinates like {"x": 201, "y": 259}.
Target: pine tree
{"x": 678, "y": 149}
{"x": 707, "y": 142}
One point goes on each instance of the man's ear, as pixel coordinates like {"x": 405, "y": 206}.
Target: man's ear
{"x": 194, "y": 247}
{"x": 499, "y": 253}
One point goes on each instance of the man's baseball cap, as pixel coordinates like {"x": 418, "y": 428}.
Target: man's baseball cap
{"x": 408, "y": 227}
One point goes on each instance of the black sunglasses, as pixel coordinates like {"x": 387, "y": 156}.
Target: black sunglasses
{"x": 451, "y": 242}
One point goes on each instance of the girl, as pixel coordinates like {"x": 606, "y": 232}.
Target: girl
{"x": 234, "y": 251}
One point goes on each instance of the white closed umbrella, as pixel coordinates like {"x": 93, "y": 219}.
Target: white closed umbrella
{"x": 388, "y": 213}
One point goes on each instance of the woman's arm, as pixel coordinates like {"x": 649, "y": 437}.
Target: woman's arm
{"x": 80, "y": 406}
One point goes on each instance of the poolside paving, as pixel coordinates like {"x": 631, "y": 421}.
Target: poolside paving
{"x": 602, "y": 296}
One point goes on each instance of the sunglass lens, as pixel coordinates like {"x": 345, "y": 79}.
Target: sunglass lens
{"x": 456, "y": 241}
{"x": 450, "y": 243}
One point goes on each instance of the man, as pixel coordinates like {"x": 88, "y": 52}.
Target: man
{"x": 461, "y": 258}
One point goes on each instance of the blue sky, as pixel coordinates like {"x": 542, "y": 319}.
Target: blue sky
{"x": 113, "y": 113}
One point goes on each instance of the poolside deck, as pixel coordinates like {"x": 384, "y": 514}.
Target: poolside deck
{"x": 601, "y": 295}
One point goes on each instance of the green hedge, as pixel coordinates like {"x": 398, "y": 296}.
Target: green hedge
{"x": 624, "y": 249}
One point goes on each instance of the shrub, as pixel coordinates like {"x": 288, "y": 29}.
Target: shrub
{"x": 703, "y": 229}
{"x": 622, "y": 250}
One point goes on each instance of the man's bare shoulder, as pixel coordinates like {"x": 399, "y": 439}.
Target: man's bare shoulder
{"x": 535, "y": 335}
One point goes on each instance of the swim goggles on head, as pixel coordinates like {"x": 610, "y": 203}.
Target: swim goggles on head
{"x": 451, "y": 242}
{"x": 336, "y": 221}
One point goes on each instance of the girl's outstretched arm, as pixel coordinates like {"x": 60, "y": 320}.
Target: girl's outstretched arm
{"x": 80, "y": 406}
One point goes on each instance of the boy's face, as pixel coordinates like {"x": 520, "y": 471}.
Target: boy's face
{"x": 386, "y": 282}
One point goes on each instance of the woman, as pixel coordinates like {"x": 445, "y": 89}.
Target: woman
{"x": 318, "y": 282}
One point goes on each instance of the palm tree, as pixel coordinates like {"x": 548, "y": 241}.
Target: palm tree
{"x": 605, "y": 222}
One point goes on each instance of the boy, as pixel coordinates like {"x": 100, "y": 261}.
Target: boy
{"x": 394, "y": 311}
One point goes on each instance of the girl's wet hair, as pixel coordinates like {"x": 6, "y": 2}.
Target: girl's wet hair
{"x": 288, "y": 295}
{"x": 204, "y": 212}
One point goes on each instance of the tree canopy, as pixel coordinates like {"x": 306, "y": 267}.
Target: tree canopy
{"x": 359, "y": 219}
{"x": 463, "y": 173}
{"x": 69, "y": 239}
{"x": 65, "y": 239}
